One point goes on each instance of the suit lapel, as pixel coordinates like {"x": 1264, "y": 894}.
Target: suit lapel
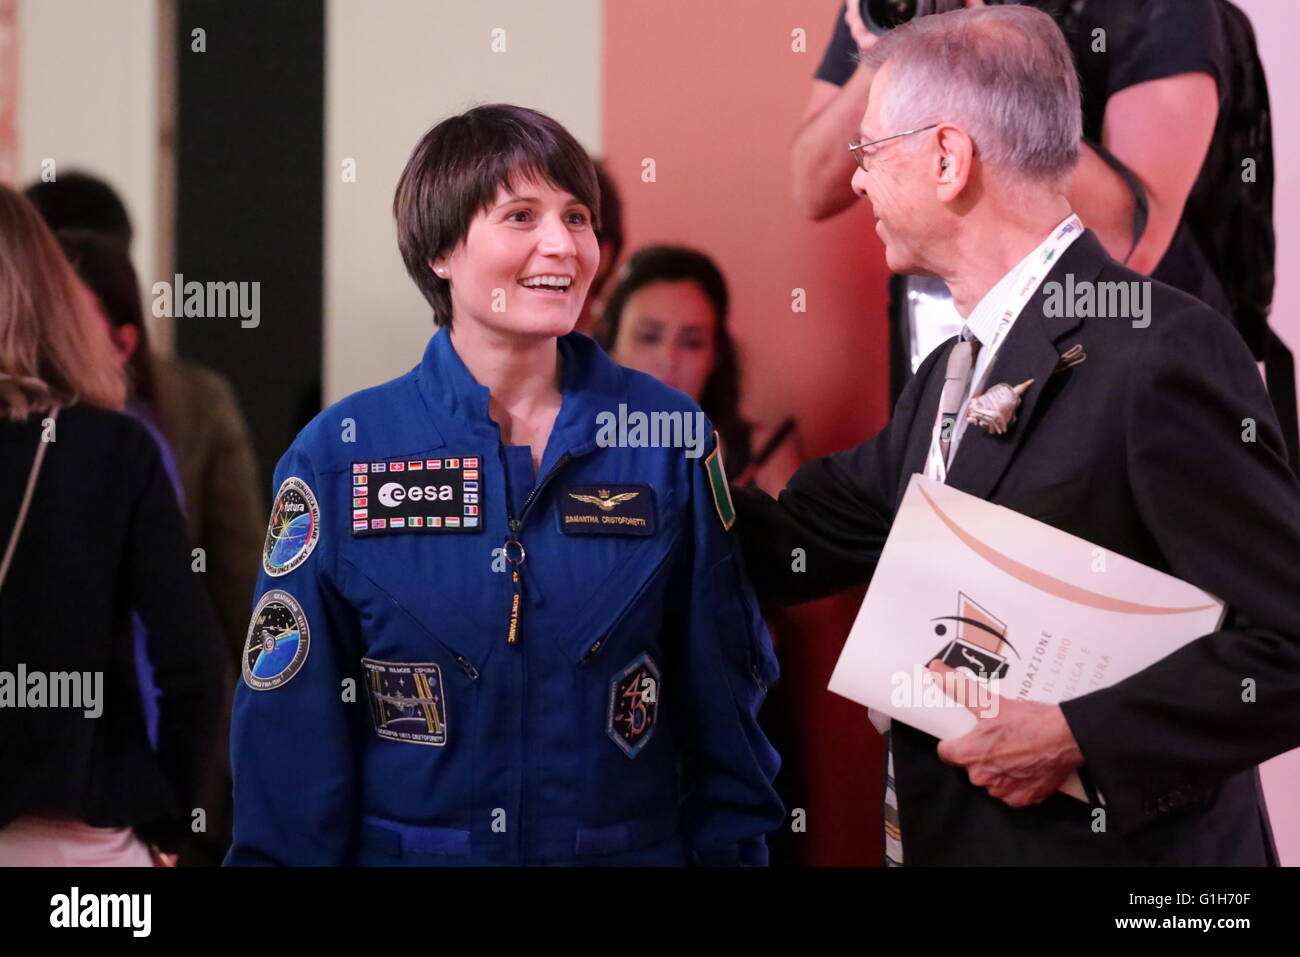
{"x": 1030, "y": 352}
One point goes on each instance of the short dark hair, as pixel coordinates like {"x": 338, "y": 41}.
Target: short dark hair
{"x": 456, "y": 170}
{"x": 720, "y": 399}
{"x": 79, "y": 200}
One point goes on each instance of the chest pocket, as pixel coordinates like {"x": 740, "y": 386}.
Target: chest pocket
{"x": 628, "y": 597}
{"x": 416, "y": 595}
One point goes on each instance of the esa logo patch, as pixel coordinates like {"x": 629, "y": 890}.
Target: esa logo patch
{"x": 294, "y": 529}
{"x": 633, "y": 705}
{"x": 407, "y": 701}
{"x": 277, "y": 643}
{"x": 417, "y": 495}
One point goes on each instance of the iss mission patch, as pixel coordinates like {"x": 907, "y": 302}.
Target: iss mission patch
{"x": 407, "y": 701}
{"x": 277, "y": 643}
{"x": 417, "y": 495}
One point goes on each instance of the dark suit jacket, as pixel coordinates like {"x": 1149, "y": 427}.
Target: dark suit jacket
{"x": 1142, "y": 449}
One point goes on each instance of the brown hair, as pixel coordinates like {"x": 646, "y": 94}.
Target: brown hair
{"x": 455, "y": 172}
{"x": 720, "y": 399}
{"x": 53, "y": 350}
{"x": 104, "y": 265}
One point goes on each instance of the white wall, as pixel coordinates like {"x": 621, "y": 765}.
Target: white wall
{"x": 1277, "y": 23}
{"x": 87, "y": 98}
{"x": 394, "y": 69}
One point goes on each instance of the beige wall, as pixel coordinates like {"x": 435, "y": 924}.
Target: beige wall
{"x": 393, "y": 69}
{"x": 1277, "y": 23}
{"x": 88, "y": 87}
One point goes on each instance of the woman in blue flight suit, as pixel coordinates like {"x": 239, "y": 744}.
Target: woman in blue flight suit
{"x": 500, "y": 618}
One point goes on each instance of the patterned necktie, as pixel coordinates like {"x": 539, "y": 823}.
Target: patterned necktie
{"x": 956, "y": 381}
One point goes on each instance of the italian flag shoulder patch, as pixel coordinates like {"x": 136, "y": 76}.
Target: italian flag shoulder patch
{"x": 718, "y": 484}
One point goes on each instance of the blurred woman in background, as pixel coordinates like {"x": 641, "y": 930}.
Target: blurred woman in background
{"x": 90, "y": 529}
{"x": 667, "y": 316}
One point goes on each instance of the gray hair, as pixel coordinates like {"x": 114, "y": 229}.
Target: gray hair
{"x": 1003, "y": 75}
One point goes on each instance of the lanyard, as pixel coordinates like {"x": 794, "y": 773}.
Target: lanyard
{"x": 1028, "y": 279}
{"x": 1032, "y": 274}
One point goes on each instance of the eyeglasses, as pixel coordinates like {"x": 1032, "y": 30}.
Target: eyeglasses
{"x": 857, "y": 148}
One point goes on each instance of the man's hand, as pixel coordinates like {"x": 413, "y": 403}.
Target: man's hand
{"x": 863, "y": 37}
{"x": 1021, "y": 751}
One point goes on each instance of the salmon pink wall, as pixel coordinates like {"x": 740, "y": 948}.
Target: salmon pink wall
{"x": 713, "y": 94}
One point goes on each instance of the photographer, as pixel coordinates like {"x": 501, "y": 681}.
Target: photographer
{"x": 1173, "y": 100}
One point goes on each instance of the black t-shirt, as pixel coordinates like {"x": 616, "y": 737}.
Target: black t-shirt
{"x": 841, "y": 56}
{"x": 1150, "y": 40}
{"x": 1145, "y": 40}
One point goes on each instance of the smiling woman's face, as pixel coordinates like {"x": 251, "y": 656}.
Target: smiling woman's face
{"x": 539, "y": 232}
{"x": 668, "y": 330}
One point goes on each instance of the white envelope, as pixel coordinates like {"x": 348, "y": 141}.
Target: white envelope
{"x": 1044, "y": 615}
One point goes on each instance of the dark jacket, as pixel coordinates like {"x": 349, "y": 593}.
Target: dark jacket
{"x": 1162, "y": 446}
{"x": 224, "y": 509}
{"x": 104, "y": 536}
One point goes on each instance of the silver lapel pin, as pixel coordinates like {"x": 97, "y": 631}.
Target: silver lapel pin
{"x": 995, "y": 409}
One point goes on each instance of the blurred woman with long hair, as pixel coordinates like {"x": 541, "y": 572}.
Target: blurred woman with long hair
{"x": 90, "y": 529}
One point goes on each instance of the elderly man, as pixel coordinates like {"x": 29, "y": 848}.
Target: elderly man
{"x": 1148, "y": 433}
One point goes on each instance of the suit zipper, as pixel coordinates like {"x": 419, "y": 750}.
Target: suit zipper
{"x": 512, "y": 628}
{"x": 514, "y": 549}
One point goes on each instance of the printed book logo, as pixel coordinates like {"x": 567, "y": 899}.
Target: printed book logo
{"x": 978, "y": 641}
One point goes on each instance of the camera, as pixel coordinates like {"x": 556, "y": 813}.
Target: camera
{"x": 881, "y": 16}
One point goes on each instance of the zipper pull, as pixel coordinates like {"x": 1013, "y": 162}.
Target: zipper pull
{"x": 517, "y": 580}
{"x": 468, "y": 666}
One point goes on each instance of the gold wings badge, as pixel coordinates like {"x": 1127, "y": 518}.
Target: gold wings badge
{"x": 605, "y": 502}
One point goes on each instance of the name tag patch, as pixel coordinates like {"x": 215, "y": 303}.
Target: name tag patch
{"x": 407, "y": 701}
{"x": 417, "y": 495}
{"x": 607, "y": 510}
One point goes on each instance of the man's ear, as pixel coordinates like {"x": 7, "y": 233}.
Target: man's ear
{"x": 952, "y": 161}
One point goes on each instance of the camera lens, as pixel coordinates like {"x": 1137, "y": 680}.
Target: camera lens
{"x": 881, "y": 16}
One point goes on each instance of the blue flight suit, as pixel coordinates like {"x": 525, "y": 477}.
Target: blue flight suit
{"x": 453, "y": 661}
